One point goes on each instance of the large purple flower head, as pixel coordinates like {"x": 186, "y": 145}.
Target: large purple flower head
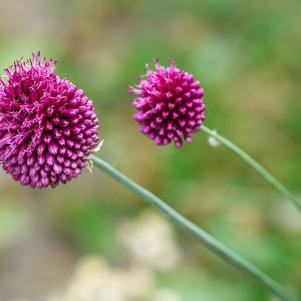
{"x": 170, "y": 105}
{"x": 48, "y": 128}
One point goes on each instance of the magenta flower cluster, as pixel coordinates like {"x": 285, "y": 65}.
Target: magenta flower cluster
{"x": 169, "y": 105}
{"x": 48, "y": 127}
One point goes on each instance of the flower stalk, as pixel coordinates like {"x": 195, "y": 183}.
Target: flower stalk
{"x": 254, "y": 164}
{"x": 206, "y": 239}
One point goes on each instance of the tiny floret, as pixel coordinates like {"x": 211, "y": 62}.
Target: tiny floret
{"x": 169, "y": 105}
{"x": 48, "y": 127}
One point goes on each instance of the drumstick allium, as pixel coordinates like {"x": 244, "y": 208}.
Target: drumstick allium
{"x": 49, "y": 130}
{"x": 169, "y": 105}
{"x": 48, "y": 127}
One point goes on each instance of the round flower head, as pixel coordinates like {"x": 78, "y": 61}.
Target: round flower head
{"x": 170, "y": 105}
{"x": 48, "y": 128}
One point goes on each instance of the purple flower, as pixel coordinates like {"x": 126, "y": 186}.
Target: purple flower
{"x": 48, "y": 128}
{"x": 170, "y": 105}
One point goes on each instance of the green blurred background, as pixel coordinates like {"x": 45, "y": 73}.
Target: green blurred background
{"x": 92, "y": 240}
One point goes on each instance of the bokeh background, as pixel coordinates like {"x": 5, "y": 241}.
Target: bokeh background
{"x": 92, "y": 240}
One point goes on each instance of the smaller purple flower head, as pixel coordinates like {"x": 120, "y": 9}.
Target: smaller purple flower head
{"x": 169, "y": 105}
{"x": 48, "y": 127}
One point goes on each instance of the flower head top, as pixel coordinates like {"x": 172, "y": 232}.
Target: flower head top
{"x": 170, "y": 105}
{"x": 48, "y": 128}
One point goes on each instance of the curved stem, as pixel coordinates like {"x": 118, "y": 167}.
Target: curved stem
{"x": 259, "y": 168}
{"x": 206, "y": 239}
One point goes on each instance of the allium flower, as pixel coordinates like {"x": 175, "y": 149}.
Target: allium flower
{"x": 48, "y": 128}
{"x": 170, "y": 105}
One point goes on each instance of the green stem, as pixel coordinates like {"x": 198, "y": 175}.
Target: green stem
{"x": 259, "y": 168}
{"x": 206, "y": 239}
